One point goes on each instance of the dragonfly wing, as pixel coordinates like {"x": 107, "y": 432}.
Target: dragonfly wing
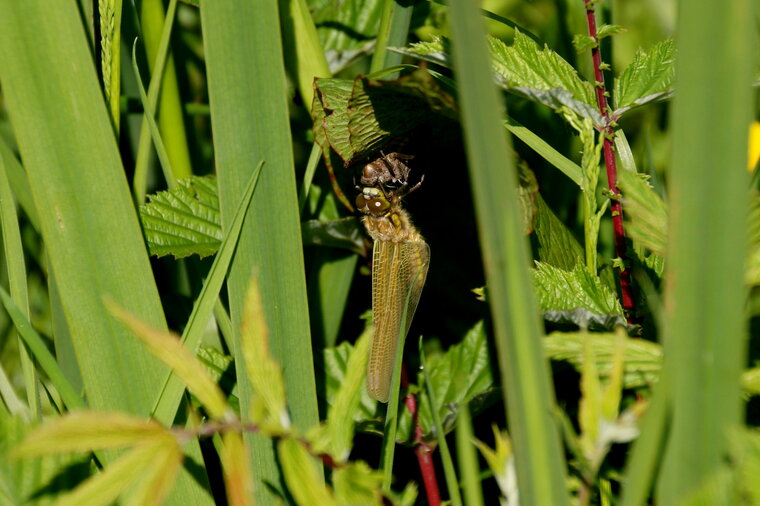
{"x": 398, "y": 270}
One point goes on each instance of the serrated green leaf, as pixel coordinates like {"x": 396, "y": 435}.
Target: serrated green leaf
{"x": 183, "y": 221}
{"x": 538, "y": 74}
{"x": 462, "y": 374}
{"x": 524, "y": 65}
{"x": 21, "y": 479}
{"x": 561, "y": 290}
{"x": 357, "y": 483}
{"x": 268, "y": 405}
{"x": 556, "y": 245}
{"x": 357, "y": 117}
{"x": 170, "y": 349}
{"x": 83, "y": 431}
{"x": 649, "y": 77}
{"x": 118, "y": 477}
{"x": 583, "y": 42}
{"x": 299, "y": 471}
{"x": 158, "y": 475}
{"x": 335, "y": 365}
{"x": 642, "y": 359}
{"x": 608, "y": 30}
{"x": 237, "y": 471}
{"x": 645, "y": 212}
{"x": 339, "y": 428}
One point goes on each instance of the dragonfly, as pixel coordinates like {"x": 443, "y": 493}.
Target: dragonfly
{"x": 400, "y": 259}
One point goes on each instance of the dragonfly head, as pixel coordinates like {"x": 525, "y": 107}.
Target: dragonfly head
{"x": 372, "y": 201}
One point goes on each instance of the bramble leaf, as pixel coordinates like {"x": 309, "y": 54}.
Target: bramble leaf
{"x": 649, "y": 77}
{"x": 576, "y": 296}
{"x": 183, "y": 221}
{"x": 526, "y": 69}
{"x": 642, "y": 359}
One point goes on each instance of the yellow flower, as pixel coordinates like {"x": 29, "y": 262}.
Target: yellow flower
{"x": 754, "y": 145}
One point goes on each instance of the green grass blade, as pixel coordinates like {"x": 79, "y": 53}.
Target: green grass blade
{"x": 249, "y": 117}
{"x": 467, "y": 458}
{"x": 705, "y": 327}
{"x": 551, "y": 155}
{"x": 524, "y": 371}
{"x": 394, "y": 27}
{"x": 452, "y": 483}
{"x": 304, "y": 56}
{"x": 45, "y": 359}
{"x": 73, "y": 179}
{"x": 142, "y": 163}
{"x": 163, "y": 155}
{"x": 169, "y": 400}
{"x": 644, "y": 458}
{"x": 170, "y": 114}
{"x": 87, "y": 219}
{"x": 14, "y": 259}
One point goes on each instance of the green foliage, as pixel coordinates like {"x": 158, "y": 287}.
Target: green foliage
{"x": 183, "y": 221}
{"x": 649, "y": 77}
{"x": 90, "y": 415}
{"x": 575, "y": 296}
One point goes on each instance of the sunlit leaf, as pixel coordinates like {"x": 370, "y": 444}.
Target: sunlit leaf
{"x": 357, "y": 117}
{"x": 575, "y": 296}
{"x": 169, "y": 349}
{"x": 237, "y": 472}
{"x": 357, "y": 483}
{"x": 268, "y": 406}
{"x": 183, "y": 221}
{"x": 642, "y": 359}
{"x": 300, "y": 472}
{"x": 649, "y": 76}
{"x": 83, "y": 431}
{"x": 556, "y": 245}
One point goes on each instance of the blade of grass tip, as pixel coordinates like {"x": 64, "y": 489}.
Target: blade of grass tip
{"x": 524, "y": 370}
{"x": 157, "y": 37}
{"x": 394, "y": 26}
{"x": 43, "y": 356}
{"x": 391, "y": 412}
{"x": 142, "y": 160}
{"x": 169, "y": 399}
{"x": 452, "y": 482}
{"x": 163, "y": 157}
{"x": 308, "y": 176}
{"x": 548, "y": 153}
{"x": 14, "y": 260}
{"x": 468, "y": 458}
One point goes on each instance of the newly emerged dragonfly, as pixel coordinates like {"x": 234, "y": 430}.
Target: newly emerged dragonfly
{"x": 400, "y": 259}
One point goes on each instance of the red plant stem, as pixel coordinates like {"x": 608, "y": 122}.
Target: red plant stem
{"x": 422, "y": 450}
{"x": 610, "y": 163}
